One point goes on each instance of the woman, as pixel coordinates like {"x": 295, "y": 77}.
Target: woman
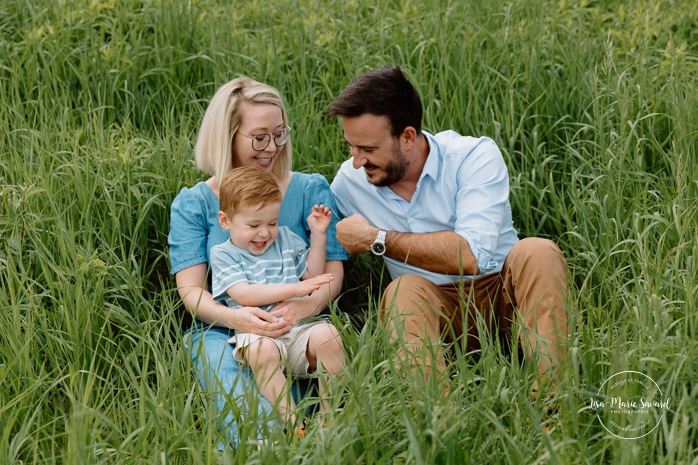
{"x": 245, "y": 125}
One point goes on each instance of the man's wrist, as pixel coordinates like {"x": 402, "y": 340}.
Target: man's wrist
{"x": 378, "y": 245}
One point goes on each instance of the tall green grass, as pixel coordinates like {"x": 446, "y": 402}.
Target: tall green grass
{"x": 594, "y": 105}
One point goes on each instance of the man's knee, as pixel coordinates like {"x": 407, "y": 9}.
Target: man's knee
{"x": 538, "y": 253}
{"x": 404, "y": 286}
{"x": 537, "y": 247}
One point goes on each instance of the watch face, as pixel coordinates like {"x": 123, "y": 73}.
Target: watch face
{"x": 378, "y": 248}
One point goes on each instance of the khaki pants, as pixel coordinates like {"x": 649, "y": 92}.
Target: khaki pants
{"x": 531, "y": 287}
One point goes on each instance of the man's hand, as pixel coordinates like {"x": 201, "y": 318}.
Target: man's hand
{"x": 356, "y": 234}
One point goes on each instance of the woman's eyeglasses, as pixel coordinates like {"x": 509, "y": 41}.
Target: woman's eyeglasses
{"x": 262, "y": 141}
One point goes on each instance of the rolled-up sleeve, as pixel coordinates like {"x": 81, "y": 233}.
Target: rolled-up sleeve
{"x": 481, "y": 203}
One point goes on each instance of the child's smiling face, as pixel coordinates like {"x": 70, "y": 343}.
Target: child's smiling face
{"x": 253, "y": 228}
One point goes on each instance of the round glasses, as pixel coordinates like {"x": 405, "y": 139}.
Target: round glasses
{"x": 262, "y": 141}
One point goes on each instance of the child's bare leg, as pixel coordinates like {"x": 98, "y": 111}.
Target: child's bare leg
{"x": 325, "y": 349}
{"x": 265, "y": 360}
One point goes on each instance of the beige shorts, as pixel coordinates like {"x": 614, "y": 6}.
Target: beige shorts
{"x": 292, "y": 347}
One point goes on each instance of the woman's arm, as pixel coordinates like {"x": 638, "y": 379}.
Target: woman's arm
{"x": 333, "y": 289}
{"x": 191, "y": 286}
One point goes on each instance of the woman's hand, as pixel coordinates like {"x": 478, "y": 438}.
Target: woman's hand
{"x": 256, "y": 321}
{"x": 199, "y": 302}
{"x": 293, "y": 311}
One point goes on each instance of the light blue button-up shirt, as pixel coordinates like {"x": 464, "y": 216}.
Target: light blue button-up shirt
{"x": 464, "y": 187}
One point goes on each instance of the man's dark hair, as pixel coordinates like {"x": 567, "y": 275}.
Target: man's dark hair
{"x": 381, "y": 92}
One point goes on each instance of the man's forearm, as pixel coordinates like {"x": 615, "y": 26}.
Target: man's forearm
{"x": 441, "y": 252}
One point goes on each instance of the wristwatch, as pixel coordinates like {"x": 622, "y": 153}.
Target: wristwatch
{"x": 378, "y": 246}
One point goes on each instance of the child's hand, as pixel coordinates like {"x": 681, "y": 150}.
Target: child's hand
{"x": 319, "y": 219}
{"x": 309, "y": 285}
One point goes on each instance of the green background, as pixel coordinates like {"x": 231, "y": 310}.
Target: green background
{"x": 593, "y": 104}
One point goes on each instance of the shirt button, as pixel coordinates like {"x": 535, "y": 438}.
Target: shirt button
{"x": 412, "y": 220}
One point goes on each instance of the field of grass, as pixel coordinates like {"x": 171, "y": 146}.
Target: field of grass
{"x": 593, "y": 103}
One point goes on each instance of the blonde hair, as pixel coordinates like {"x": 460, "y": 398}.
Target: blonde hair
{"x": 248, "y": 186}
{"x": 213, "y": 150}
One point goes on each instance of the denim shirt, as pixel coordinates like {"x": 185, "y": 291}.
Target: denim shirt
{"x": 194, "y": 227}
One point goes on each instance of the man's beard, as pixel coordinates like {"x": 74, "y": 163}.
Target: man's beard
{"x": 395, "y": 170}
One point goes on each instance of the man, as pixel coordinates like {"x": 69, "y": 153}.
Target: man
{"x": 436, "y": 207}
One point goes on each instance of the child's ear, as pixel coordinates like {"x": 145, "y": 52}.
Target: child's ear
{"x": 223, "y": 220}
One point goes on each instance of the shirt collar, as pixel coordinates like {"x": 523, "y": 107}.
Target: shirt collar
{"x": 431, "y": 168}
{"x": 432, "y": 165}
